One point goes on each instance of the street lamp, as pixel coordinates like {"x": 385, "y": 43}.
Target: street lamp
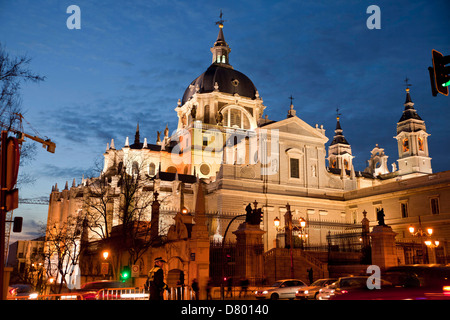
{"x": 105, "y": 265}
{"x": 276, "y": 223}
{"x": 432, "y": 244}
{"x": 302, "y": 235}
{"x": 421, "y": 233}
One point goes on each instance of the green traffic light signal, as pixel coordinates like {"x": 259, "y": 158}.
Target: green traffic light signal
{"x": 125, "y": 273}
{"x": 439, "y": 73}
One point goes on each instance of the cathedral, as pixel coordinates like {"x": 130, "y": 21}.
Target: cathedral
{"x": 225, "y": 141}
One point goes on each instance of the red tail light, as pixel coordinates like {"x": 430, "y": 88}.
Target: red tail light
{"x": 446, "y": 290}
{"x": 344, "y": 291}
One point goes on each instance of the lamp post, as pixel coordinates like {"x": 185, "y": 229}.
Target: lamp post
{"x": 105, "y": 265}
{"x": 289, "y": 229}
{"x": 428, "y": 243}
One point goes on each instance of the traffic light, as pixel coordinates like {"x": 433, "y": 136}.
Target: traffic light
{"x": 441, "y": 73}
{"x": 17, "y": 226}
{"x": 125, "y": 273}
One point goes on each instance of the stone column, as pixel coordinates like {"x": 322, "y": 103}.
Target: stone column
{"x": 199, "y": 244}
{"x": 154, "y": 222}
{"x": 384, "y": 253}
{"x": 250, "y": 249}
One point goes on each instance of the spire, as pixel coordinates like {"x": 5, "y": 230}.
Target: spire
{"x": 338, "y": 136}
{"x": 137, "y": 136}
{"x": 220, "y": 50}
{"x": 408, "y": 97}
{"x": 409, "y": 112}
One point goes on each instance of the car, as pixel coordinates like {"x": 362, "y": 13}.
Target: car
{"x": 282, "y": 289}
{"x": 93, "y": 290}
{"x": 345, "y": 285}
{"x": 21, "y": 291}
{"x": 409, "y": 282}
{"x": 312, "y": 291}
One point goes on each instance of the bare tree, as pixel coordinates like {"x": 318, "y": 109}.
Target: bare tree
{"x": 63, "y": 249}
{"x": 124, "y": 194}
{"x": 14, "y": 71}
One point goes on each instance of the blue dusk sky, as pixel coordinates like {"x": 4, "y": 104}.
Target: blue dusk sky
{"x": 132, "y": 60}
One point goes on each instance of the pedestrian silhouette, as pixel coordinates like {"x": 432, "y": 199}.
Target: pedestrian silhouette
{"x": 195, "y": 288}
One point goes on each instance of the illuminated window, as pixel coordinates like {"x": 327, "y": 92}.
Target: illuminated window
{"x": 405, "y": 145}
{"x": 236, "y": 118}
{"x": 420, "y": 144}
{"x": 333, "y": 163}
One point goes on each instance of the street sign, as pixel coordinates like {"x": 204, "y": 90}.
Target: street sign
{"x": 105, "y": 268}
{"x": 135, "y": 271}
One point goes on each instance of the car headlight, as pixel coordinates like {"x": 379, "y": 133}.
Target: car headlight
{"x": 33, "y": 296}
{"x": 265, "y": 292}
{"x": 306, "y": 292}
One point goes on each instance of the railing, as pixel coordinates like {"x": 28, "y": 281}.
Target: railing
{"x": 282, "y": 252}
{"x": 179, "y": 293}
{"x": 173, "y": 293}
{"x": 122, "y": 294}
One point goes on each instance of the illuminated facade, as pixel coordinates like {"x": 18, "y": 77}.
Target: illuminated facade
{"x": 223, "y": 138}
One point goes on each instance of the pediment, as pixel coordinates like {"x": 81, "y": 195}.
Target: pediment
{"x": 298, "y": 127}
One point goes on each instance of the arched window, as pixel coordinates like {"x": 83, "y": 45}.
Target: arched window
{"x": 172, "y": 169}
{"x": 237, "y": 117}
{"x": 135, "y": 168}
{"x": 151, "y": 169}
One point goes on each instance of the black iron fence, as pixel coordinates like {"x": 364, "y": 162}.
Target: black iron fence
{"x": 224, "y": 260}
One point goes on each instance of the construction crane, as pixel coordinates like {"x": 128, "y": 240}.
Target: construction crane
{"x": 34, "y": 201}
{"x": 7, "y": 213}
{"x": 21, "y": 135}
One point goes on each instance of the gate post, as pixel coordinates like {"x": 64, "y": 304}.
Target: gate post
{"x": 250, "y": 249}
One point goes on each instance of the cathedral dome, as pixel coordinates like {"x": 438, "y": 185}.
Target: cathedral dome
{"x": 220, "y": 75}
{"x": 227, "y": 79}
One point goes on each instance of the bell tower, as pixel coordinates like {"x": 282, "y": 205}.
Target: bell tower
{"x": 340, "y": 152}
{"x": 412, "y": 141}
